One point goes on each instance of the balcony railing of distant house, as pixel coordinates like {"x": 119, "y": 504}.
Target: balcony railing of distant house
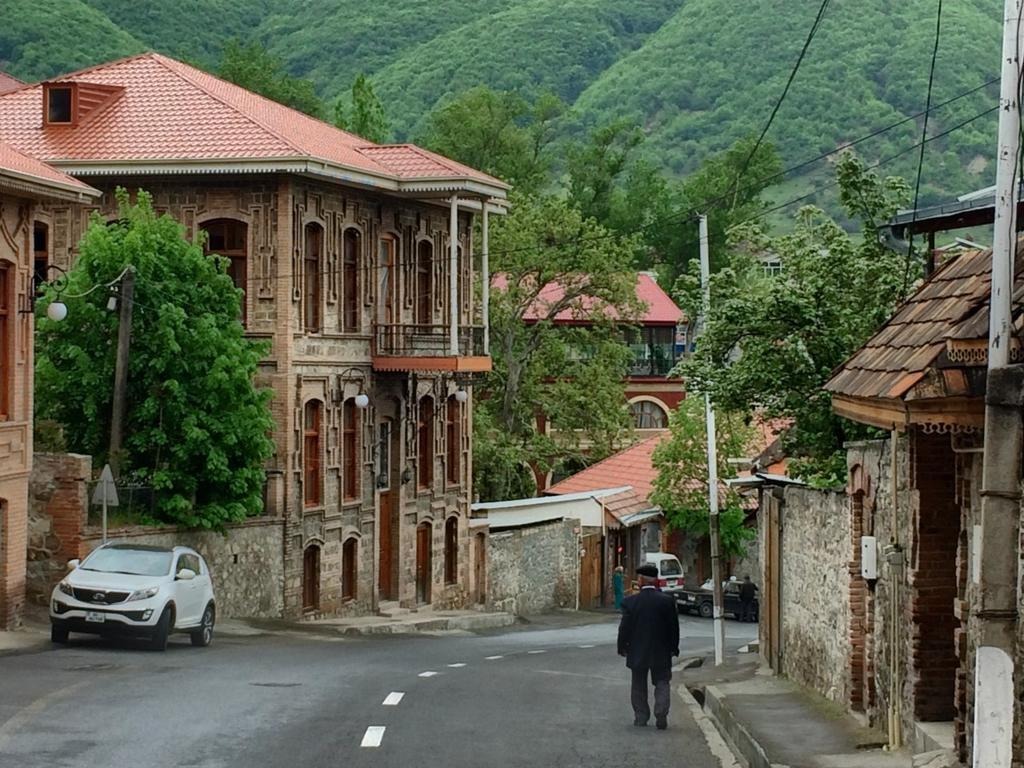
{"x": 653, "y": 359}
{"x": 410, "y": 346}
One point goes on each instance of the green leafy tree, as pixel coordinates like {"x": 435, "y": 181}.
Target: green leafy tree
{"x": 196, "y": 426}
{"x": 253, "y": 67}
{"x": 595, "y": 166}
{"x": 365, "y": 116}
{"x": 771, "y": 341}
{"x": 498, "y": 132}
{"x": 573, "y": 375}
{"x": 681, "y": 485}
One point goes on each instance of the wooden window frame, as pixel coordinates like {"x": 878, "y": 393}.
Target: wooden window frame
{"x": 453, "y": 441}
{"x": 312, "y": 290}
{"x": 425, "y": 436}
{"x": 312, "y": 477}
{"x": 49, "y": 88}
{"x": 424, "y": 307}
{"x": 451, "y": 550}
{"x": 350, "y": 569}
{"x": 351, "y": 307}
{"x": 238, "y": 257}
{"x": 350, "y": 450}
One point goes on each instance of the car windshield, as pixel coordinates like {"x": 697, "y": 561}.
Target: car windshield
{"x": 671, "y": 568}
{"x": 136, "y": 562}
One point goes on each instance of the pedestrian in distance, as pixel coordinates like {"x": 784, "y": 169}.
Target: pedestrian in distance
{"x": 748, "y": 590}
{"x": 619, "y": 586}
{"x": 649, "y": 638}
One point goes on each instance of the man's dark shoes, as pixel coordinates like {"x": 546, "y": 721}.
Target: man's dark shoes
{"x": 662, "y": 723}
{"x": 639, "y": 723}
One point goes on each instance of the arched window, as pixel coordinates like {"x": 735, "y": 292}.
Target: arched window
{"x": 311, "y": 261}
{"x": 426, "y": 442}
{"x": 453, "y": 441}
{"x": 648, "y": 415}
{"x": 424, "y": 283}
{"x": 229, "y": 238}
{"x": 311, "y": 452}
{"x": 451, "y": 550}
{"x": 6, "y": 338}
{"x": 349, "y": 559}
{"x": 40, "y": 252}
{"x": 387, "y": 293}
{"x": 350, "y": 448}
{"x": 350, "y": 282}
{"x": 311, "y": 578}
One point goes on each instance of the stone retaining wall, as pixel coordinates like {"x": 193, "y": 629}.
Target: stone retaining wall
{"x": 534, "y": 569}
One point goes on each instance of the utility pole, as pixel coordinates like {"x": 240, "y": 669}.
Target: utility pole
{"x": 714, "y": 519}
{"x": 124, "y": 336}
{"x": 997, "y": 559}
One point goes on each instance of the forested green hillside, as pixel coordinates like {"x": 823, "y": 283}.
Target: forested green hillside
{"x": 696, "y": 74}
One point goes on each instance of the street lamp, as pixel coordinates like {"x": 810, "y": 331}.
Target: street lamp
{"x": 362, "y": 400}
{"x": 57, "y": 310}
{"x": 461, "y": 395}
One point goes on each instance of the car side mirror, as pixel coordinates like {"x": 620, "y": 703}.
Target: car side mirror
{"x": 185, "y": 574}
{"x": 72, "y": 564}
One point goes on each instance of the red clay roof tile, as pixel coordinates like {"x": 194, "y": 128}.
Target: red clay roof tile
{"x": 20, "y": 165}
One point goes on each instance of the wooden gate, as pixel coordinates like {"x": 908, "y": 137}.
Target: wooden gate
{"x": 387, "y": 591}
{"x": 590, "y": 571}
{"x": 311, "y": 578}
{"x": 423, "y": 564}
{"x": 480, "y": 568}
{"x": 771, "y": 608}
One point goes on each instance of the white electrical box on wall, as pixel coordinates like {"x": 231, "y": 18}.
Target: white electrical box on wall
{"x": 868, "y": 557}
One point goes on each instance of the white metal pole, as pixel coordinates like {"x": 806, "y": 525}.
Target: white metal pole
{"x": 453, "y": 278}
{"x": 485, "y": 268}
{"x": 104, "y": 514}
{"x": 995, "y": 614}
{"x": 713, "y": 526}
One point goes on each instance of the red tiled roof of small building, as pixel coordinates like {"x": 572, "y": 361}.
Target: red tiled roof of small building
{"x": 633, "y": 467}
{"x": 169, "y": 111}
{"x": 659, "y": 309}
{"x": 20, "y": 166}
{"x": 8, "y": 83}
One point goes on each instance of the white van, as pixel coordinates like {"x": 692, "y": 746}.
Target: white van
{"x": 670, "y": 570}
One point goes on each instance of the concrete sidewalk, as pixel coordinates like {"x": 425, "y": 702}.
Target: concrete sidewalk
{"x": 773, "y": 723}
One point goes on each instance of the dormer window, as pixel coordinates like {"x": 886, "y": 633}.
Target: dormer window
{"x": 60, "y": 104}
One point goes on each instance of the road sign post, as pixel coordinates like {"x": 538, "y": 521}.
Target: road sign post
{"x": 105, "y": 495}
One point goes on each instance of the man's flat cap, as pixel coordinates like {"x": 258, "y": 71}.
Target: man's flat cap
{"x": 648, "y": 569}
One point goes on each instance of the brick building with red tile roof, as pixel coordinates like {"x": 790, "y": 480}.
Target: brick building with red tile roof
{"x": 356, "y": 265}
{"x": 25, "y": 183}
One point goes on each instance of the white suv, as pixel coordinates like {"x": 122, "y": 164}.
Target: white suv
{"x": 131, "y": 589}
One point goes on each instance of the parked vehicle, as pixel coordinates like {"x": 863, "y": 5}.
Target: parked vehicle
{"x": 670, "y": 570}
{"x": 136, "y": 590}
{"x": 702, "y": 601}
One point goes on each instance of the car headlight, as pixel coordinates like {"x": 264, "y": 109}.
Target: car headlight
{"x": 66, "y": 588}
{"x": 143, "y": 594}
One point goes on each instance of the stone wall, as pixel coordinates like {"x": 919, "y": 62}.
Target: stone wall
{"x": 815, "y": 608}
{"x": 245, "y": 561}
{"x": 534, "y": 569}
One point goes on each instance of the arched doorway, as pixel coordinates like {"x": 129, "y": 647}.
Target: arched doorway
{"x": 423, "y": 563}
{"x": 480, "y": 567}
{"x": 311, "y": 578}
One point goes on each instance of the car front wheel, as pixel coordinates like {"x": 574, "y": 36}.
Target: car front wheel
{"x": 706, "y": 610}
{"x": 58, "y": 634}
{"x": 203, "y": 636}
{"x": 158, "y": 642}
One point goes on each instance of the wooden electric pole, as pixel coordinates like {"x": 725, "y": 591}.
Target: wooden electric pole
{"x": 124, "y": 336}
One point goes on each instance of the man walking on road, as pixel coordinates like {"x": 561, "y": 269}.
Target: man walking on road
{"x": 748, "y": 590}
{"x": 649, "y": 638}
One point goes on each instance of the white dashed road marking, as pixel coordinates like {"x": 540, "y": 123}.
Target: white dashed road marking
{"x": 393, "y": 698}
{"x": 494, "y": 658}
{"x": 428, "y": 674}
{"x": 374, "y": 736}
{"x": 586, "y": 646}
{"x": 457, "y": 666}
{"x": 533, "y": 652}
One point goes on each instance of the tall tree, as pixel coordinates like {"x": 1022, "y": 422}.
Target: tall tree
{"x": 498, "y": 132}
{"x": 365, "y": 115}
{"x": 253, "y": 67}
{"x": 197, "y": 427}
{"x": 772, "y": 340}
{"x": 572, "y": 375}
{"x": 594, "y": 167}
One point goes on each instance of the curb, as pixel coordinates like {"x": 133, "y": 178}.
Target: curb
{"x": 442, "y": 624}
{"x": 720, "y": 748}
{"x": 735, "y": 733}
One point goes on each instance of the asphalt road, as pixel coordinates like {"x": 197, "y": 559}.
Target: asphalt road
{"x": 540, "y": 696}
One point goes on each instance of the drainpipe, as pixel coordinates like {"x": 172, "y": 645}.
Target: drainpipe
{"x": 453, "y": 279}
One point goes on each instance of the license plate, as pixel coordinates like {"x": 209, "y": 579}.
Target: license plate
{"x": 673, "y": 582}
{"x": 95, "y": 617}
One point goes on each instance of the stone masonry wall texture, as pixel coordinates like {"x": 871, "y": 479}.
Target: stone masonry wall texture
{"x": 815, "y": 603}
{"x": 534, "y": 569}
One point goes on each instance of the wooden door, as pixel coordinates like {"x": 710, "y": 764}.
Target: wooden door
{"x": 590, "y": 571}
{"x": 385, "y": 562}
{"x": 311, "y": 579}
{"x": 480, "y": 568}
{"x": 771, "y": 609}
{"x": 423, "y": 558}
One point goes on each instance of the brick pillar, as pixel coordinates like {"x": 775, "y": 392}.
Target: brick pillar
{"x": 858, "y": 593}
{"x": 933, "y": 578}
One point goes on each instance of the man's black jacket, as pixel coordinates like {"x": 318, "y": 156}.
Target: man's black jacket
{"x": 649, "y": 630}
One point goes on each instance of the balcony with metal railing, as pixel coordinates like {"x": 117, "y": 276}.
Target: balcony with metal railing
{"x": 652, "y": 359}
{"x": 419, "y": 347}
